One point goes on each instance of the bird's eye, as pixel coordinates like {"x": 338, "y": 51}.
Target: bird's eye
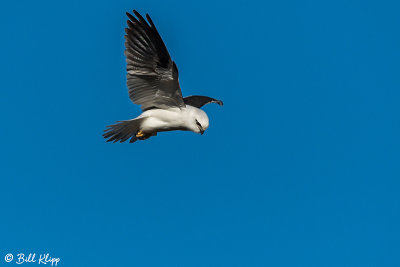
{"x": 198, "y": 123}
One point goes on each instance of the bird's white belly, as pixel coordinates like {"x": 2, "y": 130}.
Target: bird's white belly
{"x": 158, "y": 120}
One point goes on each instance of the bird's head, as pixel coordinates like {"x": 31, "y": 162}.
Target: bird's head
{"x": 198, "y": 121}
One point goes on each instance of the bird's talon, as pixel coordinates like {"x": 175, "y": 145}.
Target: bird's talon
{"x": 139, "y": 134}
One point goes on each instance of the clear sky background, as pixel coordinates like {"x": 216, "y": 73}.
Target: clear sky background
{"x": 299, "y": 168}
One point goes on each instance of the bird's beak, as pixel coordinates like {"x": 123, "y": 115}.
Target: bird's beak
{"x": 201, "y": 131}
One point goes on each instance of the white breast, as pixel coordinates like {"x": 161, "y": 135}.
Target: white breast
{"x": 158, "y": 120}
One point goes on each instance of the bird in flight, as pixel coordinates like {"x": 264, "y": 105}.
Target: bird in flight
{"x": 153, "y": 83}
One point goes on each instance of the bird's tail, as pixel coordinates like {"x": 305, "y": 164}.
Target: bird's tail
{"x": 123, "y": 130}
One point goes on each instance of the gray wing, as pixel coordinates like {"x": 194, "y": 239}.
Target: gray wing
{"x": 152, "y": 76}
{"x": 198, "y": 101}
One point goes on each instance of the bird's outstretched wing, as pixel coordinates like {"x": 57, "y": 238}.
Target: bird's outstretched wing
{"x": 152, "y": 76}
{"x": 198, "y": 101}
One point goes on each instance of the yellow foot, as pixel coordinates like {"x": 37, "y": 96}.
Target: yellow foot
{"x": 140, "y": 134}
{"x": 143, "y": 136}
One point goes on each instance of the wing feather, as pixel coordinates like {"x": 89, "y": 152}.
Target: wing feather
{"x": 198, "y": 101}
{"x": 152, "y": 76}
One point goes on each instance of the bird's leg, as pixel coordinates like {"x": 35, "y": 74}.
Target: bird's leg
{"x": 140, "y": 134}
{"x": 143, "y": 136}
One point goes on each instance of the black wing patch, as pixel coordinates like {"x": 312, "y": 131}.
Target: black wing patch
{"x": 198, "y": 101}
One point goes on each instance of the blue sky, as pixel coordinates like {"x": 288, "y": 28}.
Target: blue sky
{"x": 299, "y": 168}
